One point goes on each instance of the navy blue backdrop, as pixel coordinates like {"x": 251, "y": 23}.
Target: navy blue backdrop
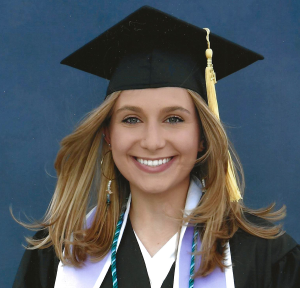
{"x": 41, "y": 100}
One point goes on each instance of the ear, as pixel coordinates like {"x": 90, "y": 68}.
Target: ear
{"x": 106, "y": 135}
{"x": 201, "y": 145}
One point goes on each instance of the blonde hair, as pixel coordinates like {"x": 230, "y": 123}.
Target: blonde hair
{"x": 80, "y": 181}
{"x": 217, "y": 217}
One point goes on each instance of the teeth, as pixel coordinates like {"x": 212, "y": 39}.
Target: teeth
{"x": 153, "y": 163}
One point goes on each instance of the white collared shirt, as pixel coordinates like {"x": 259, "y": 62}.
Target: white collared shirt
{"x": 160, "y": 264}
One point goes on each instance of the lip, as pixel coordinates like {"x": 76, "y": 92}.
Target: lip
{"x": 156, "y": 169}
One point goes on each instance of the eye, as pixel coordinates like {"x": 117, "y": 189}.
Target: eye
{"x": 131, "y": 120}
{"x": 174, "y": 120}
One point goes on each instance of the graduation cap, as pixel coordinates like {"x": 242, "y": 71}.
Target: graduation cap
{"x": 152, "y": 49}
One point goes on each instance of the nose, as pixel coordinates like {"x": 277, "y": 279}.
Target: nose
{"x": 153, "y": 137}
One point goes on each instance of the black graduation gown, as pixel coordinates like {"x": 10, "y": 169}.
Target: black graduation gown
{"x": 256, "y": 262}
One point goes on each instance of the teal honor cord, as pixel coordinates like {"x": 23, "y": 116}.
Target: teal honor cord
{"x": 114, "y": 253}
{"x": 194, "y": 249}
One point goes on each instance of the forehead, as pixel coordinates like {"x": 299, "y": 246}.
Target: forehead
{"x": 155, "y": 98}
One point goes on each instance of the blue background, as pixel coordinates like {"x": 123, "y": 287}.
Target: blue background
{"x": 41, "y": 100}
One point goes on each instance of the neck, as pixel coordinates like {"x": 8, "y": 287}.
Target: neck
{"x": 156, "y": 217}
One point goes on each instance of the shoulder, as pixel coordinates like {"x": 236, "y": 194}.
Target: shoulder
{"x": 255, "y": 259}
{"x": 40, "y": 234}
{"x": 275, "y": 248}
{"x": 38, "y": 267}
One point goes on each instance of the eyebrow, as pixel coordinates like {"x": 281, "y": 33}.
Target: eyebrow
{"x": 166, "y": 110}
{"x": 175, "y": 108}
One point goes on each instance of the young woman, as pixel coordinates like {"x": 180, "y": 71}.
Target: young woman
{"x": 156, "y": 157}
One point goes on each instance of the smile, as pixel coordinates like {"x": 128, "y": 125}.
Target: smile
{"x": 153, "y": 163}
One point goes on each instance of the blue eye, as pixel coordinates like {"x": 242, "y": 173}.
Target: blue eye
{"x": 174, "y": 120}
{"x": 131, "y": 120}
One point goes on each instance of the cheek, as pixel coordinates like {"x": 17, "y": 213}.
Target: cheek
{"x": 121, "y": 143}
{"x": 187, "y": 143}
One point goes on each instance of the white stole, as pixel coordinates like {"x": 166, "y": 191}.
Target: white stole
{"x": 91, "y": 275}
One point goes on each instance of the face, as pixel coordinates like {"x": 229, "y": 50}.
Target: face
{"x": 155, "y": 137}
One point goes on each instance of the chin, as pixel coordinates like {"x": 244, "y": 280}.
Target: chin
{"x": 152, "y": 188}
{"x": 157, "y": 186}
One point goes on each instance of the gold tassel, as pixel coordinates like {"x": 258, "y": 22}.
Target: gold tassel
{"x": 210, "y": 79}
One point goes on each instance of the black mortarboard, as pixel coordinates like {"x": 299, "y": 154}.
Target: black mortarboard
{"x": 151, "y": 49}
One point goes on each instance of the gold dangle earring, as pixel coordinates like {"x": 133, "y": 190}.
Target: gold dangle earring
{"x": 203, "y": 184}
{"x": 108, "y": 189}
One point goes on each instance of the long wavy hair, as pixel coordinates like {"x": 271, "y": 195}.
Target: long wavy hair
{"x": 81, "y": 183}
